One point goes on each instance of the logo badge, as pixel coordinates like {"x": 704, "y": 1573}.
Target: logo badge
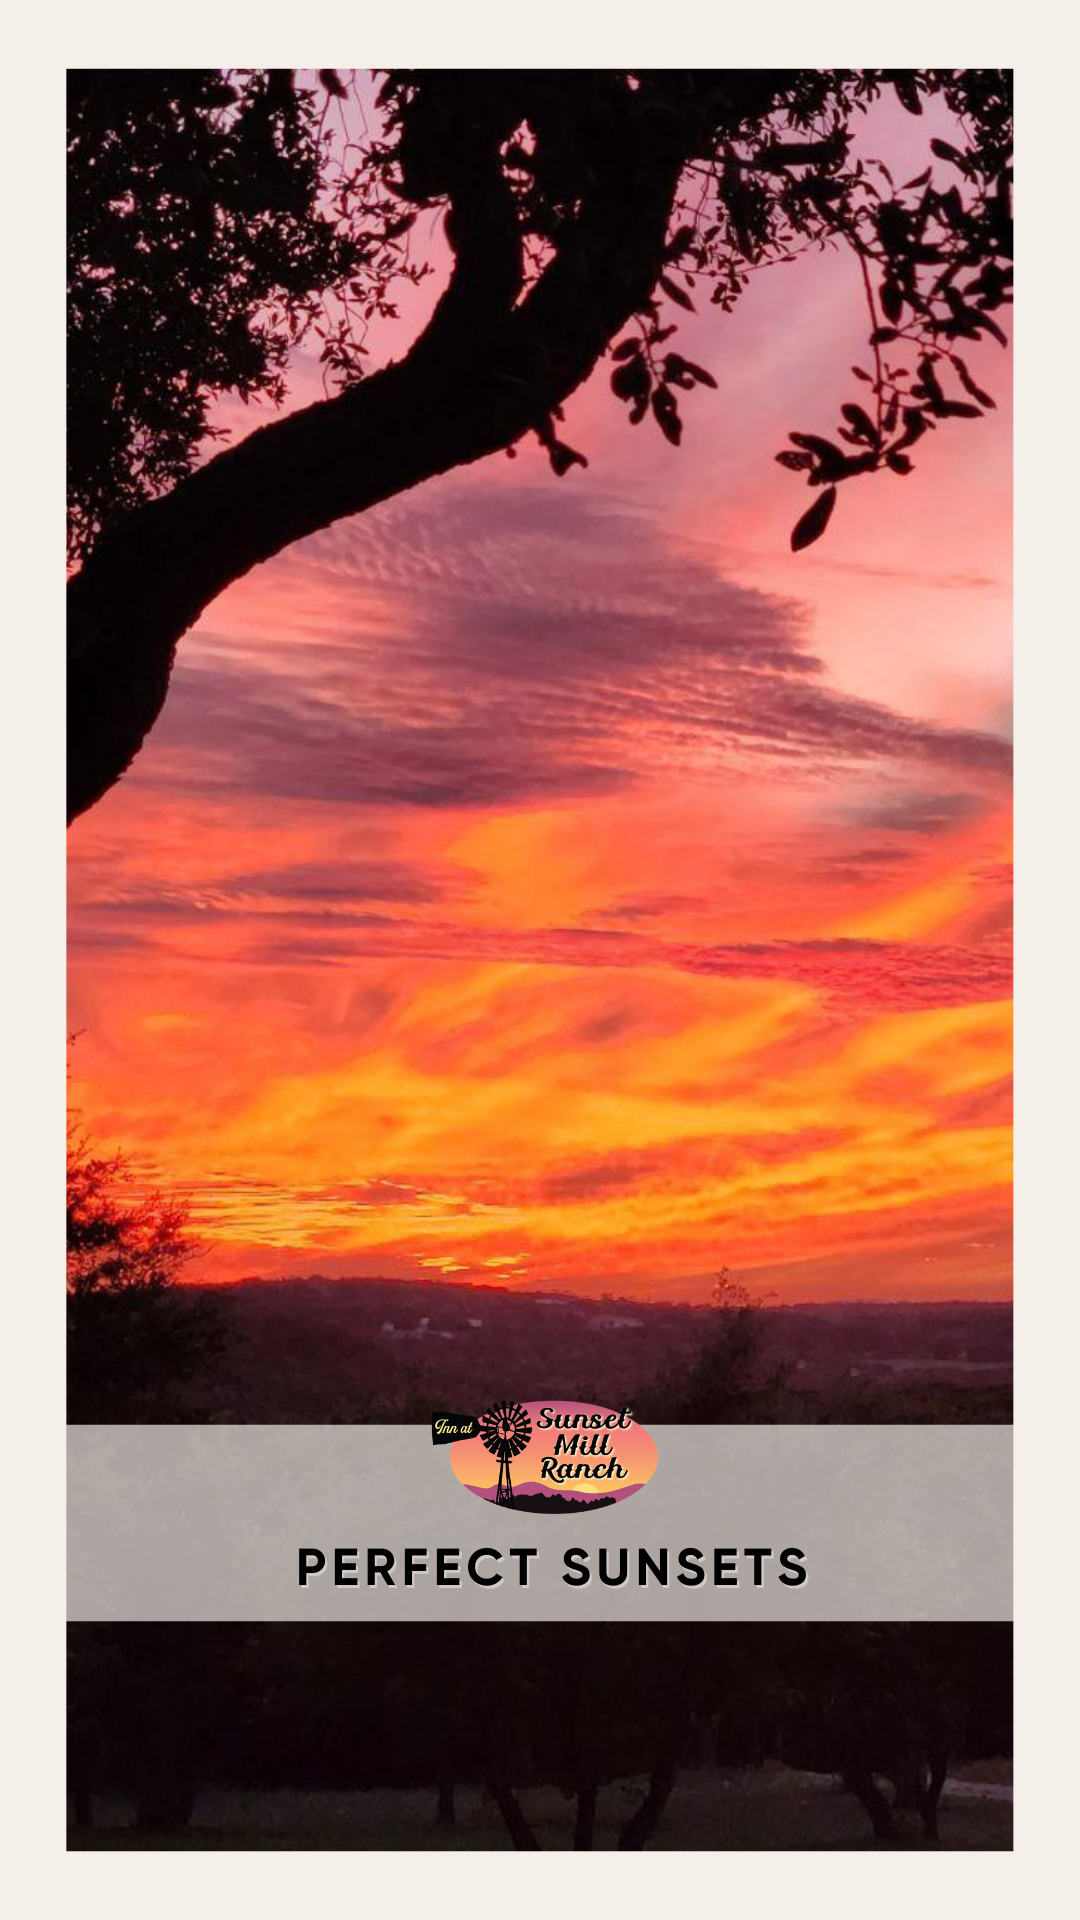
{"x": 551, "y": 1456}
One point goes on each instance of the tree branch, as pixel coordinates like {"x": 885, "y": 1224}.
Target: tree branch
{"x": 483, "y": 373}
{"x": 639, "y": 1828}
{"x": 489, "y": 367}
{"x": 509, "y": 1806}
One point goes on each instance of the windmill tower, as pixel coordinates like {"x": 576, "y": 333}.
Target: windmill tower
{"x": 505, "y": 1430}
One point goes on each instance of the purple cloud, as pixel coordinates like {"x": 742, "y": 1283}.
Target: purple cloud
{"x": 492, "y": 646}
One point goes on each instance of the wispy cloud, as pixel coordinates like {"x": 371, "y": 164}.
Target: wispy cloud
{"x": 495, "y": 647}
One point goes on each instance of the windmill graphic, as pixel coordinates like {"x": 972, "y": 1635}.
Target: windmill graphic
{"x": 505, "y": 1430}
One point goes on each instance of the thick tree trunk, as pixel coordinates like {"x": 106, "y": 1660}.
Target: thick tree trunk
{"x": 509, "y": 1806}
{"x": 642, "y": 1823}
{"x": 862, "y": 1784}
{"x": 82, "y": 1805}
{"x": 939, "y": 1766}
{"x": 83, "y": 1751}
{"x": 164, "y": 1801}
{"x": 446, "y": 1812}
{"x": 909, "y": 1787}
{"x": 585, "y": 1820}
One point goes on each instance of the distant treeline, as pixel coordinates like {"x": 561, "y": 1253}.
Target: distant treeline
{"x": 392, "y": 1350}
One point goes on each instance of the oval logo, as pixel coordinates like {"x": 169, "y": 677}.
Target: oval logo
{"x": 554, "y": 1456}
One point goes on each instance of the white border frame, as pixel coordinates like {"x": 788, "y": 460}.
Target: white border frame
{"x": 1037, "y": 42}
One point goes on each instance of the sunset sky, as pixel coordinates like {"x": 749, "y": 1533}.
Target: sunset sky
{"x": 560, "y": 883}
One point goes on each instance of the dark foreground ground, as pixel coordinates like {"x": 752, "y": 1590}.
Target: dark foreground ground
{"x": 771, "y": 1809}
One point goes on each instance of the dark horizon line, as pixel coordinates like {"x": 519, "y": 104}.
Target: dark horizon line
{"x": 765, "y": 1305}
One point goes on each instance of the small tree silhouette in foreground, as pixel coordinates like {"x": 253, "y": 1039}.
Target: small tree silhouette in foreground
{"x": 220, "y": 219}
{"x": 134, "y": 1337}
{"x": 731, "y": 1378}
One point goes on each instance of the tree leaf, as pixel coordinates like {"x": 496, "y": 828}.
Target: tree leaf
{"x": 814, "y": 521}
{"x": 666, "y": 411}
{"x": 563, "y": 457}
{"x": 675, "y": 292}
{"x": 859, "y": 419}
{"x": 976, "y": 392}
{"x": 906, "y": 91}
{"x": 679, "y": 242}
{"x": 680, "y": 370}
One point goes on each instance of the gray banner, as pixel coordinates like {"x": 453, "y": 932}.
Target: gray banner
{"x": 207, "y": 1523}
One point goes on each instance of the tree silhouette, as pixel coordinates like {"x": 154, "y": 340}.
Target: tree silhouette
{"x": 732, "y": 1378}
{"x": 218, "y": 220}
{"x": 156, "y": 1709}
{"x": 198, "y": 251}
{"x": 134, "y": 1337}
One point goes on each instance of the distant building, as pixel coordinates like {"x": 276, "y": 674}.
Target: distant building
{"x": 406, "y": 1333}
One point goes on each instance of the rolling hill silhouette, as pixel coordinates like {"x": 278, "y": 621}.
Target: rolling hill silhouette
{"x": 557, "y": 1503}
{"x": 533, "y": 1497}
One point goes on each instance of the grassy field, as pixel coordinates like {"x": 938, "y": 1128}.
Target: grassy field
{"x": 773, "y": 1808}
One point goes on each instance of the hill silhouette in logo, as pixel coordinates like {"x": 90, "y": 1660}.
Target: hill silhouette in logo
{"x": 534, "y": 1497}
{"x": 537, "y": 1502}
